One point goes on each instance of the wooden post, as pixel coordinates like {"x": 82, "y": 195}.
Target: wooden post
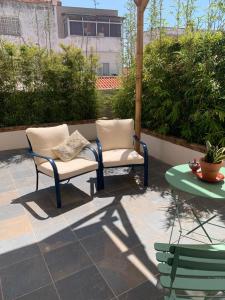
{"x": 141, "y": 5}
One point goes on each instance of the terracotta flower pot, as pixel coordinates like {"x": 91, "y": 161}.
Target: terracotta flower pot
{"x": 209, "y": 171}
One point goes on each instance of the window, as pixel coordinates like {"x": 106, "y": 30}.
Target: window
{"x": 105, "y": 69}
{"x": 10, "y": 26}
{"x": 76, "y": 28}
{"x": 94, "y": 26}
{"x": 89, "y": 18}
{"x": 89, "y": 29}
{"x": 103, "y": 19}
{"x": 103, "y": 29}
{"x": 115, "y": 30}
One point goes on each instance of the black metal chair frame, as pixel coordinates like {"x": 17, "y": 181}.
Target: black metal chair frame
{"x": 101, "y": 165}
{"x": 56, "y": 174}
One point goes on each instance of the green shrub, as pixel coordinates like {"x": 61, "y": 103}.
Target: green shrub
{"x": 183, "y": 88}
{"x": 40, "y": 87}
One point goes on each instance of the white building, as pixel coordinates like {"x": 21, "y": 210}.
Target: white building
{"x": 96, "y": 30}
{"x": 48, "y": 24}
{"x": 29, "y": 22}
{"x": 150, "y": 36}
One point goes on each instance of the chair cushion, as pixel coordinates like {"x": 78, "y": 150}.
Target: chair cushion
{"x": 43, "y": 139}
{"x": 70, "y": 168}
{"x": 115, "y": 134}
{"x": 71, "y": 147}
{"x": 121, "y": 157}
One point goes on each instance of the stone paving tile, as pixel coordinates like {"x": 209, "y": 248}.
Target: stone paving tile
{"x": 145, "y": 291}
{"x": 14, "y": 227}
{"x": 96, "y": 220}
{"x": 67, "y": 260}
{"x": 108, "y": 243}
{"x": 84, "y": 285}
{"x": 45, "y": 293}
{"x": 6, "y": 198}
{"x": 18, "y": 254}
{"x": 122, "y": 272}
{"x": 117, "y": 228}
{"x": 1, "y": 295}
{"x": 57, "y": 240}
{"x": 10, "y": 211}
{"x": 24, "y": 277}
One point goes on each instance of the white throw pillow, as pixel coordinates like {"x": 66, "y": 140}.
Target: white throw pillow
{"x": 71, "y": 147}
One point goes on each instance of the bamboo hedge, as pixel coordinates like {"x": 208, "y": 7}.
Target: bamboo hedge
{"x": 37, "y": 86}
{"x": 183, "y": 88}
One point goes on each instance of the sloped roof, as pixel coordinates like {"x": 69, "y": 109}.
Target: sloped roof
{"x": 108, "y": 83}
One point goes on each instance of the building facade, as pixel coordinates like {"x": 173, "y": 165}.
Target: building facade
{"x": 93, "y": 30}
{"x": 29, "y": 21}
{"x": 150, "y": 36}
{"x": 48, "y": 24}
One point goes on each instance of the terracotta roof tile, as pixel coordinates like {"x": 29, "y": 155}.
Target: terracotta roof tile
{"x": 108, "y": 83}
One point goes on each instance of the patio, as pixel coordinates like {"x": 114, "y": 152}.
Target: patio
{"x": 100, "y": 245}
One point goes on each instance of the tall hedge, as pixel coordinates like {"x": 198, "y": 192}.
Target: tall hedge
{"x": 183, "y": 88}
{"x": 41, "y": 87}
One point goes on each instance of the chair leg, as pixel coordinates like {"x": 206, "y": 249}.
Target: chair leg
{"x": 58, "y": 193}
{"x": 146, "y": 174}
{"x": 98, "y": 187}
{"x": 101, "y": 178}
{"x": 37, "y": 179}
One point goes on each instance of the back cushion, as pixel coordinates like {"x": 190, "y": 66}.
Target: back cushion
{"x": 115, "y": 134}
{"x": 43, "y": 139}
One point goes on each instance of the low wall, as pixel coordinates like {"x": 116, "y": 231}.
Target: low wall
{"x": 16, "y": 138}
{"x": 170, "y": 150}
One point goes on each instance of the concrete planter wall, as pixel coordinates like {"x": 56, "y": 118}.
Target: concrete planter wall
{"x": 169, "y": 150}
{"x": 15, "y": 138}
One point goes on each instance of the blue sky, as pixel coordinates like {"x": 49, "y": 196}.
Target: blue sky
{"x": 120, "y": 6}
{"x": 111, "y": 4}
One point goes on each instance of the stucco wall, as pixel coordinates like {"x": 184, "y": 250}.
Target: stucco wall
{"x": 17, "y": 139}
{"x": 37, "y": 21}
{"x": 168, "y": 152}
{"x": 163, "y": 150}
{"x": 107, "y": 49}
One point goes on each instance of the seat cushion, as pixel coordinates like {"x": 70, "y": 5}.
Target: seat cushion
{"x": 43, "y": 139}
{"x": 70, "y": 168}
{"x": 121, "y": 157}
{"x": 71, "y": 147}
{"x": 115, "y": 134}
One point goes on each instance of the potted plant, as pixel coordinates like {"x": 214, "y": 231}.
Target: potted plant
{"x": 212, "y": 161}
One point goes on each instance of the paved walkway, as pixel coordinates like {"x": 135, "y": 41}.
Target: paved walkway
{"x": 99, "y": 246}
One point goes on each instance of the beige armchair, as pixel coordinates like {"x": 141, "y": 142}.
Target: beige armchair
{"x": 115, "y": 142}
{"x": 41, "y": 141}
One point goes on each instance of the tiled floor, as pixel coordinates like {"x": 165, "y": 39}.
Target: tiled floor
{"x": 100, "y": 245}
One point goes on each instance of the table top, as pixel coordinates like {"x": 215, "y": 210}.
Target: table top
{"x": 182, "y": 178}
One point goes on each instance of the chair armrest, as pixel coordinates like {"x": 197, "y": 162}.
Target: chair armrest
{"x": 50, "y": 160}
{"x": 144, "y": 146}
{"x": 93, "y": 151}
{"x": 99, "y": 146}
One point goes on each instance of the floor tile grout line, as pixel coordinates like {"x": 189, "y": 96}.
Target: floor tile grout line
{"x": 1, "y": 290}
{"x": 20, "y": 261}
{"x": 117, "y": 296}
{"x": 51, "y": 276}
{"x": 107, "y": 283}
{"x": 132, "y": 288}
{"x": 31, "y": 292}
{"x": 42, "y": 255}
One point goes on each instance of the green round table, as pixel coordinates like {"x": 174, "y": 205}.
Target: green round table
{"x": 181, "y": 178}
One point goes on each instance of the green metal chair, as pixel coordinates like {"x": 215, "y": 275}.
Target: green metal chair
{"x": 191, "y": 268}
